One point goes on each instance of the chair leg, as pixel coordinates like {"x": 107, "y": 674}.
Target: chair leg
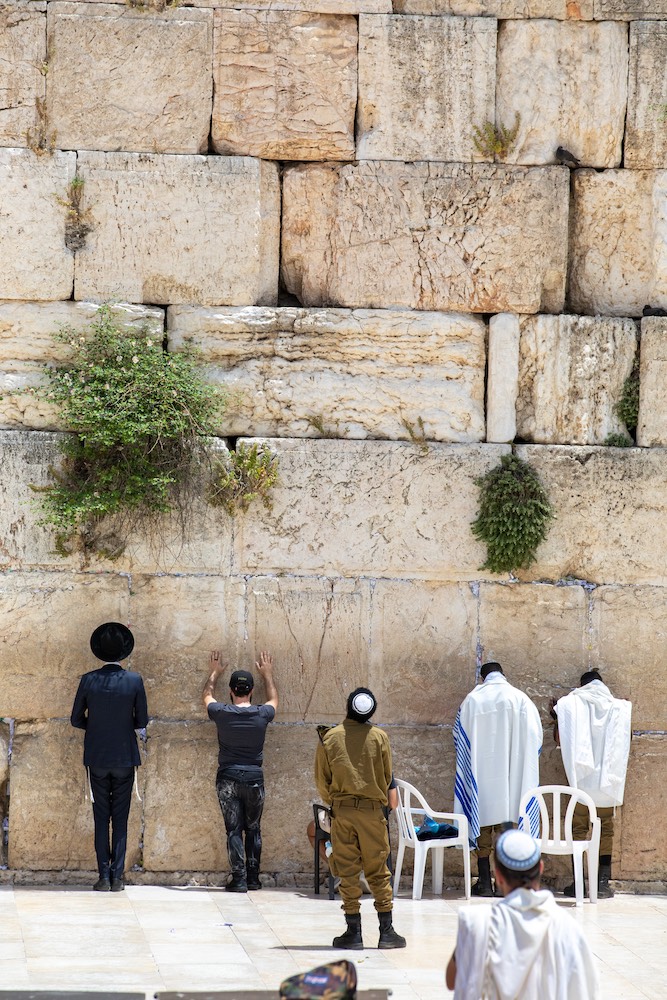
{"x": 398, "y": 866}
{"x": 418, "y": 877}
{"x": 578, "y": 879}
{"x": 437, "y": 867}
{"x": 593, "y": 870}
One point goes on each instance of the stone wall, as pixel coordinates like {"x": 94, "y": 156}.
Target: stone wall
{"x": 295, "y": 188}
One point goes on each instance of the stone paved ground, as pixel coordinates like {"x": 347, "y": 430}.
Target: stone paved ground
{"x": 188, "y": 938}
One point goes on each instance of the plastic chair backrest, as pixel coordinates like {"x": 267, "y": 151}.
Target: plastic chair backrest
{"x": 555, "y": 829}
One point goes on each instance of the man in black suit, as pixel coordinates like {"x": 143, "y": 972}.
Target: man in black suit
{"x": 109, "y": 705}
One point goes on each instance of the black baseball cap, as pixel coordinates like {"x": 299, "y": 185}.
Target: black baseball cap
{"x": 241, "y": 682}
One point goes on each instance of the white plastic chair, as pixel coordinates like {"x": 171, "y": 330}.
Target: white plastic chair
{"x": 557, "y": 836}
{"x": 413, "y": 806}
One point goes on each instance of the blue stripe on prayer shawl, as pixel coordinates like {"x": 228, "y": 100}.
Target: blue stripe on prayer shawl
{"x": 465, "y": 786}
{"x": 533, "y": 813}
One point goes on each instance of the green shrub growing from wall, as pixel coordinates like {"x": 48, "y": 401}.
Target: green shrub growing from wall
{"x": 249, "y": 473}
{"x": 627, "y": 408}
{"x": 514, "y": 514}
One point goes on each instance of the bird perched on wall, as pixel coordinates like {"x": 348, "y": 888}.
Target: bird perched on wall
{"x": 567, "y": 158}
{"x": 653, "y": 311}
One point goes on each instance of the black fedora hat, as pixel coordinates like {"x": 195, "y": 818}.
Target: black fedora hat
{"x": 112, "y": 642}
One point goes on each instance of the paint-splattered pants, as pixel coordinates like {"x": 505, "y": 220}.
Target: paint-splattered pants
{"x": 242, "y": 804}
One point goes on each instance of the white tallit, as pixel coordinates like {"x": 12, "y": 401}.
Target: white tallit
{"x": 595, "y": 730}
{"x": 523, "y": 948}
{"x": 498, "y": 738}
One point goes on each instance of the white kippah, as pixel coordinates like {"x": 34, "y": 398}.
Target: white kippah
{"x": 517, "y": 851}
{"x": 363, "y": 704}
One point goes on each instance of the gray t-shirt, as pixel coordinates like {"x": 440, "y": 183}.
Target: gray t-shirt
{"x": 241, "y": 732}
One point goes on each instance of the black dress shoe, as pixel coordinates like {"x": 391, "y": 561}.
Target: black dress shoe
{"x": 102, "y": 885}
{"x": 117, "y": 884}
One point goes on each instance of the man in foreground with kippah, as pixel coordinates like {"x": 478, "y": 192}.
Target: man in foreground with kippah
{"x": 240, "y": 779}
{"x": 353, "y": 773}
{"x": 523, "y": 947}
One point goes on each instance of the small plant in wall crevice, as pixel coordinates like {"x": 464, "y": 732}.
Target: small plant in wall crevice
{"x": 248, "y": 473}
{"x": 514, "y": 515}
{"x": 627, "y": 408}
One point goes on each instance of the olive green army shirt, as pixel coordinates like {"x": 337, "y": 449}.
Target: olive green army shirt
{"x": 354, "y": 759}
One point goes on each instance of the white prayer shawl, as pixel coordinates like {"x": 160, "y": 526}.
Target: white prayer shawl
{"x": 498, "y": 739}
{"x": 595, "y": 730}
{"x": 523, "y": 948}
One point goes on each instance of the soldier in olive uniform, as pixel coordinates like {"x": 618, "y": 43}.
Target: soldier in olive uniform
{"x": 353, "y": 773}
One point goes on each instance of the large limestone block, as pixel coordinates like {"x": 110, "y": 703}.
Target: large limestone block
{"x": 422, "y": 649}
{"x": 470, "y": 237}
{"x": 22, "y": 59}
{"x": 309, "y": 6}
{"x": 36, "y": 262}
{"x": 180, "y": 229}
{"x": 578, "y": 93}
{"x": 618, "y": 260}
{"x": 285, "y": 85}
{"x": 203, "y": 544}
{"x": 502, "y": 377}
{"x": 643, "y": 841}
{"x": 38, "y": 679}
{"x": 630, "y": 10}
{"x": 577, "y": 10}
{"x": 50, "y": 817}
{"x": 628, "y": 630}
{"x": 27, "y": 345}
{"x": 147, "y": 77}
{"x": 609, "y": 505}
{"x": 539, "y": 633}
{"x": 375, "y": 373}
{"x": 571, "y": 375}
{"x": 422, "y": 81}
{"x": 172, "y": 649}
{"x": 646, "y": 129}
{"x": 652, "y": 419}
{"x": 378, "y": 508}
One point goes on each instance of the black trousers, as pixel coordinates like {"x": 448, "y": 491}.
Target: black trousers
{"x": 242, "y": 805}
{"x": 112, "y": 792}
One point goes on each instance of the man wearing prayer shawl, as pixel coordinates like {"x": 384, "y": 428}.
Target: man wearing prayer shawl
{"x": 524, "y": 945}
{"x": 594, "y": 731}
{"x": 498, "y": 739}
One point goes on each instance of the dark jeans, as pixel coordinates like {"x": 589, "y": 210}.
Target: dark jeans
{"x": 112, "y": 791}
{"x": 242, "y": 804}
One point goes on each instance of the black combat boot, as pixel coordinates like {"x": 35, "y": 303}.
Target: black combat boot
{"x": 237, "y": 882}
{"x": 352, "y": 937}
{"x": 388, "y": 936}
{"x": 605, "y": 891}
{"x": 482, "y": 886}
{"x": 252, "y": 873}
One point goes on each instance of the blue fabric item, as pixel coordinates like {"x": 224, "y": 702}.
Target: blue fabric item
{"x": 432, "y": 830}
{"x": 466, "y": 795}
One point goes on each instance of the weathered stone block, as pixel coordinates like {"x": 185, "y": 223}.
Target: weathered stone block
{"x": 630, "y": 10}
{"x": 626, "y": 649}
{"x": 470, "y": 237}
{"x": 4, "y": 775}
{"x": 376, "y": 372}
{"x": 643, "y": 844}
{"x": 581, "y": 10}
{"x": 39, "y": 680}
{"x": 401, "y": 512}
{"x": 27, "y": 345}
{"x": 22, "y": 57}
{"x": 646, "y": 129}
{"x": 502, "y": 379}
{"x": 202, "y": 544}
{"x": 50, "y": 818}
{"x": 539, "y": 633}
{"x": 37, "y": 265}
{"x": 222, "y": 249}
{"x": 422, "y": 649}
{"x": 618, "y": 260}
{"x": 422, "y": 81}
{"x": 652, "y": 419}
{"x": 147, "y": 77}
{"x": 609, "y": 506}
{"x": 571, "y": 375}
{"x": 309, "y": 6}
{"x": 172, "y": 650}
{"x": 285, "y": 85}
{"x": 578, "y": 93}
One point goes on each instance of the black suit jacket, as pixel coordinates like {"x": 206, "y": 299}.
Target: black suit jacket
{"x": 110, "y": 704}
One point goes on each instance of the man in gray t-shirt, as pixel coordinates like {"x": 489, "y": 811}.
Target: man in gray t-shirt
{"x": 240, "y": 780}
